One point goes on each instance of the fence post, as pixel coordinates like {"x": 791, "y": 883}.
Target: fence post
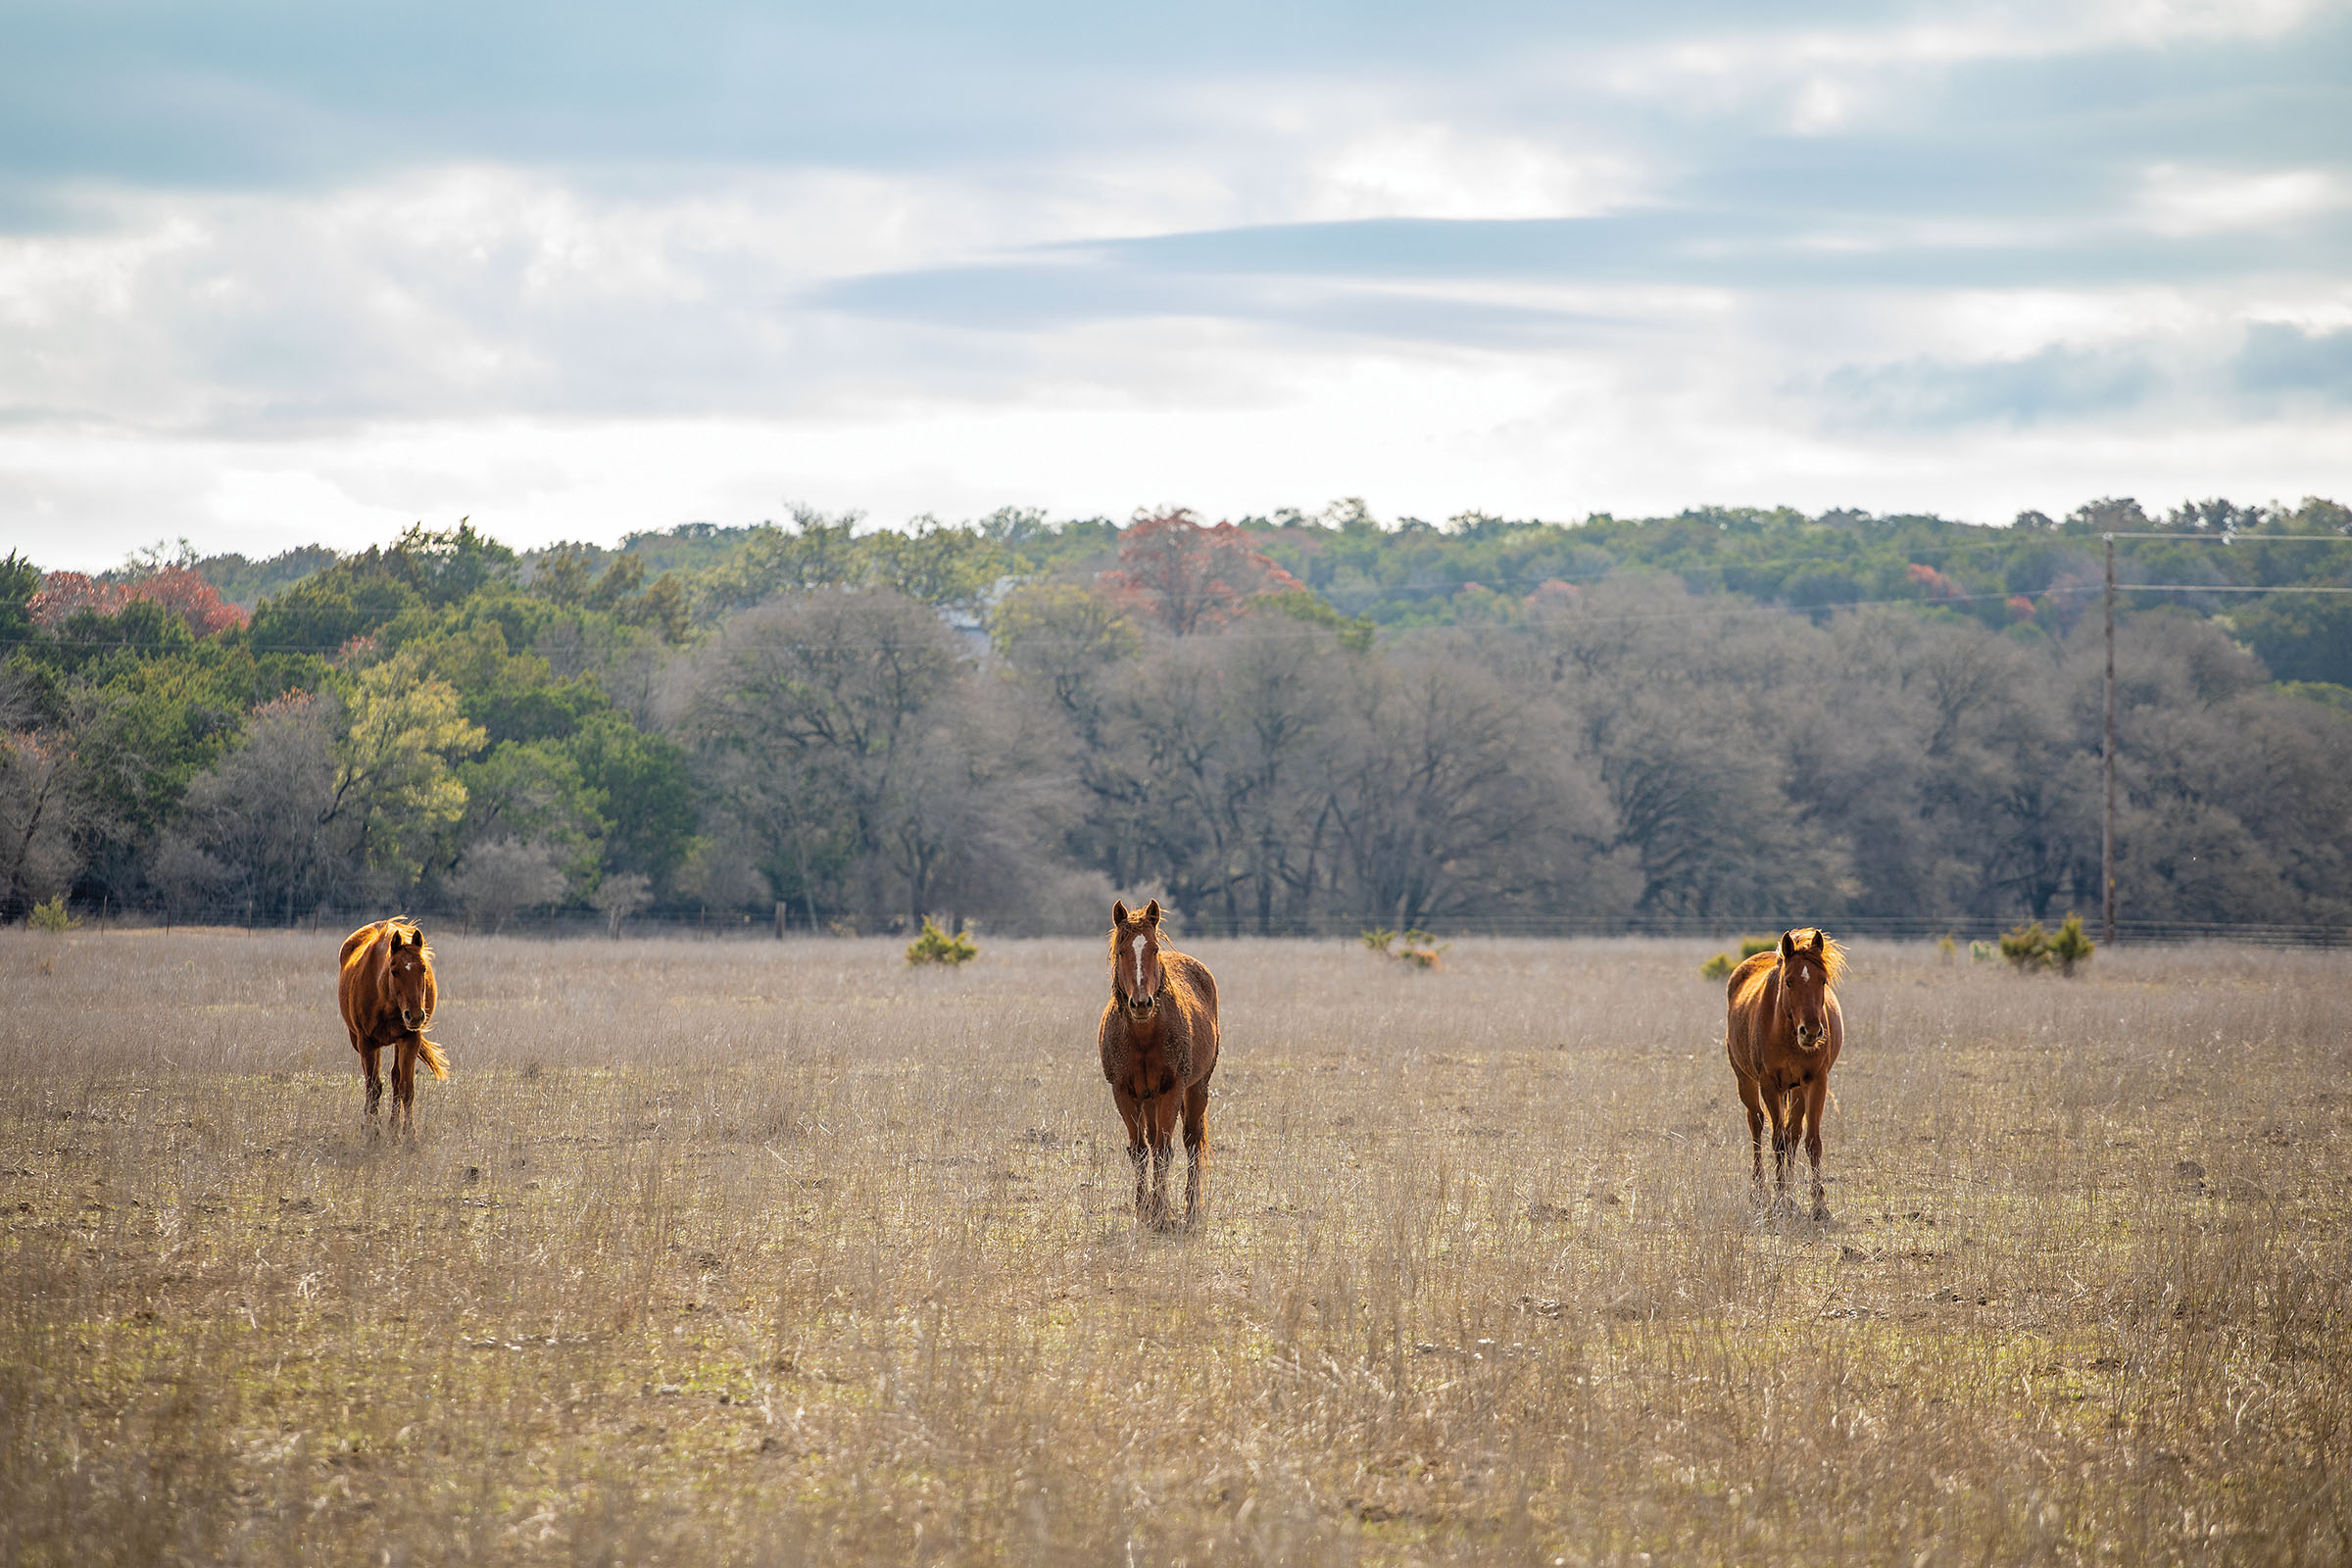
{"x": 779, "y": 920}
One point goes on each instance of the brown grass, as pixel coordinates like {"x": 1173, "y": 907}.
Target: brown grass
{"x": 769, "y": 1252}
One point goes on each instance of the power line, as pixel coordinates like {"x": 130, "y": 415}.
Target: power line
{"x": 1828, "y": 607}
{"x": 2107, "y": 747}
{"x": 1634, "y": 570}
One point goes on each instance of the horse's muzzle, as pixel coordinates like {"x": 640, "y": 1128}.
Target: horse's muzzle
{"x": 1811, "y": 1039}
{"x": 1141, "y": 1006}
{"x": 415, "y": 1022}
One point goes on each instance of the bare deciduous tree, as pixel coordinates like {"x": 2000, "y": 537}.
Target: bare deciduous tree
{"x": 620, "y": 896}
{"x": 503, "y": 877}
{"x": 254, "y": 834}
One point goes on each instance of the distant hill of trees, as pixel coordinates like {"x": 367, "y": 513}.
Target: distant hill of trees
{"x": 1278, "y": 724}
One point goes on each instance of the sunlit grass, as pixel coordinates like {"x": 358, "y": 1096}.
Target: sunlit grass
{"x": 716, "y": 1252}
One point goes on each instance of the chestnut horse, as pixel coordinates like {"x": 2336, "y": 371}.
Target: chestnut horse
{"x": 1159, "y": 1039}
{"x": 388, "y": 995}
{"x": 1783, "y": 1034}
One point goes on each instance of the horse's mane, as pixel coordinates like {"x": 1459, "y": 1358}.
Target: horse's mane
{"x": 402, "y": 925}
{"x": 1832, "y": 953}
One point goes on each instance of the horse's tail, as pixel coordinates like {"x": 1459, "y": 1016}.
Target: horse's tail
{"x": 433, "y": 1057}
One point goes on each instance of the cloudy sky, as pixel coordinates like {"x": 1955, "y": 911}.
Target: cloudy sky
{"x": 276, "y": 273}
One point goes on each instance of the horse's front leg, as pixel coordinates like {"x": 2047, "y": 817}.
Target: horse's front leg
{"x": 1814, "y": 1102}
{"x": 1132, "y": 1114}
{"x": 376, "y": 1081}
{"x": 1162, "y": 1113}
{"x": 1783, "y": 1136}
{"x": 403, "y": 1085}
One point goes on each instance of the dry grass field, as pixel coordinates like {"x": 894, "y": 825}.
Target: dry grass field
{"x": 731, "y": 1252}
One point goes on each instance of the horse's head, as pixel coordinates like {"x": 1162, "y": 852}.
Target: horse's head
{"x": 1809, "y": 963}
{"x": 407, "y": 977}
{"x": 1136, "y": 981}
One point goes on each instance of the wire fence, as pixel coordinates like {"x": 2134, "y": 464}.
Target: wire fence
{"x": 744, "y": 925}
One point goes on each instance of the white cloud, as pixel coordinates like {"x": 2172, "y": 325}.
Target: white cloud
{"x": 1436, "y": 170}
{"x": 2180, "y": 200}
{"x": 581, "y": 351}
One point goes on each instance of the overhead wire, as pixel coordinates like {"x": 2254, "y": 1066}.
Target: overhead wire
{"x": 1613, "y": 570}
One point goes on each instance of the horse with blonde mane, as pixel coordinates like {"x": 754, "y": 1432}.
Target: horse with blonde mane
{"x": 1783, "y": 1033}
{"x": 388, "y": 994}
{"x": 1159, "y": 1039}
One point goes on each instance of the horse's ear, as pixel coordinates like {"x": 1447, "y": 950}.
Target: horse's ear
{"x": 1820, "y": 937}
{"x": 1118, "y": 912}
{"x": 1151, "y": 912}
{"x": 1788, "y": 944}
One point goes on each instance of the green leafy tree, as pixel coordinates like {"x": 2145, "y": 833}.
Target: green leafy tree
{"x": 450, "y": 564}
{"x": 394, "y": 786}
{"x": 351, "y": 599}
{"x": 20, "y": 580}
{"x": 2300, "y": 637}
{"x": 513, "y": 696}
{"x": 950, "y": 567}
{"x": 643, "y": 787}
{"x": 816, "y": 552}
{"x": 532, "y": 792}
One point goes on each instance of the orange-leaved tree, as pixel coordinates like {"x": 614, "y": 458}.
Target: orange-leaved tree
{"x": 179, "y": 589}
{"x": 1191, "y": 577}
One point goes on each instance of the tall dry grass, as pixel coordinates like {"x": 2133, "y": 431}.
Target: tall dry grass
{"x": 747, "y": 1254}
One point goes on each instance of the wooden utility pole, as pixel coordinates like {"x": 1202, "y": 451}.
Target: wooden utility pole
{"x": 2107, "y": 762}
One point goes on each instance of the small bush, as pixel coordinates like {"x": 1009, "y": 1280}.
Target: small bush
{"x": 935, "y": 946}
{"x": 1716, "y": 968}
{"x": 52, "y": 916}
{"x": 1947, "y": 950}
{"x": 2032, "y": 948}
{"x": 1980, "y": 953}
{"x": 2070, "y": 946}
{"x": 1750, "y": 946}
{"x": 1421, "y": 950}
{"x": 2026, "y": 948}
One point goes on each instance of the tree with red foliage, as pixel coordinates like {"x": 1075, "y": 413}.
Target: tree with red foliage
{"x": 1937, "y": 585}
{"x": 186, "y": 593}
{"x": 65, "y": 594}
{"x": 179, "y": 589}
{"x": 1189, "y": 577}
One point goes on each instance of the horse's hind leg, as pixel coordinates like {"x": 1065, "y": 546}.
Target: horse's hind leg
{"x": 1755, "y": 1128}
{"x": 1196, "y": 1148}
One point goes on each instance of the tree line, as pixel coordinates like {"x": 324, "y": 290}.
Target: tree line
{"x": 1280, "y": 724}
